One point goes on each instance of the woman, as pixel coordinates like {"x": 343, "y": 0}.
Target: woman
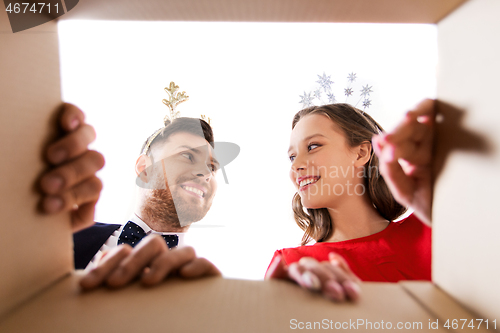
{"x": 350, "y": 208}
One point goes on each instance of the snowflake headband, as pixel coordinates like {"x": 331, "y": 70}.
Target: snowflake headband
{"x": 325, "y": 87}
{"x": 175, "y": 98}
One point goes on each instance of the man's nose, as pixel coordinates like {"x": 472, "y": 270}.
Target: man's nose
{"x": 203, "y": 170}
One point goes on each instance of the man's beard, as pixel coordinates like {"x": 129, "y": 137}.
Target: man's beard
{"x": 171, "y": 210}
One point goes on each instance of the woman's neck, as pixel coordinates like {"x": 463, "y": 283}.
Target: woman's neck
{"x": 354, "y": 218}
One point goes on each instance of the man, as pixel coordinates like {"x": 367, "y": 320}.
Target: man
{"x": 176, "y": 178}
{"x": 72, "y": 186}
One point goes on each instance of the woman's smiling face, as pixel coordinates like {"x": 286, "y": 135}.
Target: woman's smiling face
{"x": 322, "y": 167}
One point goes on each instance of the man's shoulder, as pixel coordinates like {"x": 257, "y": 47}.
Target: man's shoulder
{"x": 88, "y": 241}
{"x": 95, "y": 232}
{"x": 99, "y": 226}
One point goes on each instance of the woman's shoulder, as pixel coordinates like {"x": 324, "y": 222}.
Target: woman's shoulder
{"x": 409, "y": 228}
{"x": 410, "y": 232}
{"x": 319, "y": 251}
{"x": 292, "y": 250}
{"x": 411, "y": 222}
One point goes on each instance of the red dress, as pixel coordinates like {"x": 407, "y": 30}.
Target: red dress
{"x": 402, "y": 251}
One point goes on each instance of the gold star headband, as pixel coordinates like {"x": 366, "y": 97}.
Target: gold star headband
{"x": 175, "y": 98}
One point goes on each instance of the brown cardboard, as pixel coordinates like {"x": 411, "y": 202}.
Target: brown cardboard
{"x": 465, "y": 251}
{"x": 466, "y": 247}
{"x": 445, "y": 308}
{"x": 377, "y": 11}
{"x": 207, "y": 305}
{"x": 36, "y": 249}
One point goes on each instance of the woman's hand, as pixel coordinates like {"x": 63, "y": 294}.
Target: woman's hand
{"x": 333, "y": 278}
{"x": 71, "y": 185}
{"x": 405, "y": 157}
{"x": 151, "y": 261}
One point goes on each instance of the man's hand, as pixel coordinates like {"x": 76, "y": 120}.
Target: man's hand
{"x": 333, "y": 279}
{"x": 71, "y": 185}
{"x": 405, "y": 157}
{"x": 150, "y": 260}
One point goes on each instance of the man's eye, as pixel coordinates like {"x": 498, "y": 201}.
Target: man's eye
{"x": 188, "y": 156}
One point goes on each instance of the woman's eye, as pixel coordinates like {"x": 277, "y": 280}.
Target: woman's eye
{"x": 312, "y": 146}
{"x": 291, "y": 158}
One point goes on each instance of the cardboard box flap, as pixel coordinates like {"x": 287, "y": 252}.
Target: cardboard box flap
{"x": 37, "y": 248}
{"x": 211, "y": 305}
{"x": 377, "y": 11}
{"x": 466, "y": 232}
{"x": 445, "y": 308}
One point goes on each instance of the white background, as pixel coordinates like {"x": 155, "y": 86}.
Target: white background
{"x": 247, "y": 77}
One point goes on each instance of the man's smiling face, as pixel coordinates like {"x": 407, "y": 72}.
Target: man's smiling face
{"x": 185, "y": 162}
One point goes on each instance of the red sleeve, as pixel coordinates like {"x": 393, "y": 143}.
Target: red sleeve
{"x": 412, "y": 240}
{"x": 272, "y": 265}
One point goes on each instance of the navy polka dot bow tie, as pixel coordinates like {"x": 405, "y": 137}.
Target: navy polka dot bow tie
{"x": 132, "y": 235}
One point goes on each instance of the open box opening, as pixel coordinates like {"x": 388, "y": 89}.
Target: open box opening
{"x": 467, "y": 178}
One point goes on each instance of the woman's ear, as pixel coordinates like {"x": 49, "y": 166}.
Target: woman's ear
{"x": 364, "y": 151}
{"x": 141, "y": 166}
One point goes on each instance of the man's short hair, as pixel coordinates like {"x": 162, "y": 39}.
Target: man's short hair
{"x": 183, "y": 124}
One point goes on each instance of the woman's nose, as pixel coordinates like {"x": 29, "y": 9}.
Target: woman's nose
{"x": 298, "y": 163}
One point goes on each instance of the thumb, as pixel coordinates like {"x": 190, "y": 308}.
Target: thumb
{"x": 399, "y": 183}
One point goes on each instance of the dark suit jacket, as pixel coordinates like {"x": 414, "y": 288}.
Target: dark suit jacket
{"x": 88, "y": 241}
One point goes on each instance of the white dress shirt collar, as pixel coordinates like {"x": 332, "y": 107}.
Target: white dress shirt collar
{"x": 137, "y": 220}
